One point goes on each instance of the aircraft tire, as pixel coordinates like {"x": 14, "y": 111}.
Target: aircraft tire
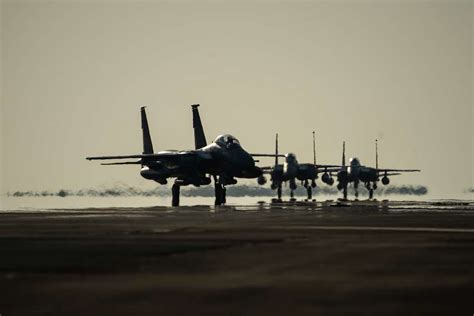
{"x": 175, "y": 190}
{"x": 219, "y": 194}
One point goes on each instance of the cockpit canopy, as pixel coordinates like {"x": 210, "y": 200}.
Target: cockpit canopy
{"x": 355, "y": 162}
{"x": 225, "y": 140}
{"x": 290, "y": 157}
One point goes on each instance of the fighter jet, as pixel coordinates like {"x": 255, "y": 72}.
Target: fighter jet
{"x": 291, "y": 170}
{"x": 356, "y": 173}
{"x": 223, "y": 160}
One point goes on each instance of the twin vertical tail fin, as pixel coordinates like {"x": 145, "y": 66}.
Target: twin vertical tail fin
{"x": 199, "y": 137}
{"x": 314, "y": 149}
{"x": 276, "y": 149}
{"x": 343, "y": 153}
{"x": 376, "y": 155}
{"x": 147, "y": 144}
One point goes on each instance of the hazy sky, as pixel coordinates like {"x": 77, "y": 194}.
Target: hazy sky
{"x": 74, "y": 74}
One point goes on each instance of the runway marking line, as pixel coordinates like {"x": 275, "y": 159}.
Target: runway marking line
{"x": 381, "y": 228}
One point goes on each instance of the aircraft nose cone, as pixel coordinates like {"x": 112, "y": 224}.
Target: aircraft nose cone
{"x": 245, "y": 160}
{"x": 248, "y": 161}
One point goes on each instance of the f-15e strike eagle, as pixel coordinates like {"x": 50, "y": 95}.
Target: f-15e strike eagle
{"x": 356, "y": 173}
{"x": 223, "y": 160}
{"x": 291, "y": 170}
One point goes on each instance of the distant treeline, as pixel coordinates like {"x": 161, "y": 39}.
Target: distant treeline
{"x": 208, "y": 191}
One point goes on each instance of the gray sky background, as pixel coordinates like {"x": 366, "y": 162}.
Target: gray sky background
{"x": 74, "y": 74}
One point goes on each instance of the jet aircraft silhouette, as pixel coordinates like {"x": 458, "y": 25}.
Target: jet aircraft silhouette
{"x": 291, "y": 170}
{"x": 223, "y": 160}
{"x": 356, "y": 173}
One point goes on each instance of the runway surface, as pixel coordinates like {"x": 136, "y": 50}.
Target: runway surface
{"x": 363, "y": 257}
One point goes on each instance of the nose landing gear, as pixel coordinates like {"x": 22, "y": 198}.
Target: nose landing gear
{"x": 220, "y": 194}
{"x": 219, "y": 191}
{"x": 175, "y": 195}
{"x": 292, "y": 190}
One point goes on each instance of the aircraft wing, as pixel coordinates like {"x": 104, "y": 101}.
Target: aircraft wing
{"x": 267, "y": 155}
{"x": 396, "y": 170}
{"x": 165, "y": 157}
{"x": 320, "y": 170}
{"x": 157, "y": 156}
{"x": 328, "y": 166}
{"x": 267, "y": 170}
{"x": 139, "y": 162}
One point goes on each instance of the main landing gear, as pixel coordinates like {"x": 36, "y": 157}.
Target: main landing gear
{"x": 371, "y": 189}
{"x": 309, "y": 189}
{"x": 342, "y": 186}
{"x": 220, "y": 192}
{"x": 356, "y": 189}
{"x": 292, "y": 190}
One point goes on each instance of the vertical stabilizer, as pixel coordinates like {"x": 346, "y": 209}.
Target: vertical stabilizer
{"x": 376, "y": 155}
{"x": 276, "y": 149}
{"x": 147, "y": 145}
{"x": 314, "y": 149}
{"x": 199, "y": 137}
{"x": 343, "y": 153}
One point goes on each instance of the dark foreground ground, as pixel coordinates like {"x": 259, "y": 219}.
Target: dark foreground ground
{"x": 368, "y": 258}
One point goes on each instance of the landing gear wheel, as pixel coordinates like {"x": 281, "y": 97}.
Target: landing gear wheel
{"x": 279, "y": 193}
{"x": 175, "y": 195}
{"x": 223, "y": 196}
{"x": 309, "y": 191}
{"x": 292, "y": 196}
{"x": 218, "y": 190}
{"x": 344, "y": 192}
{"x": 371, "y": 193}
